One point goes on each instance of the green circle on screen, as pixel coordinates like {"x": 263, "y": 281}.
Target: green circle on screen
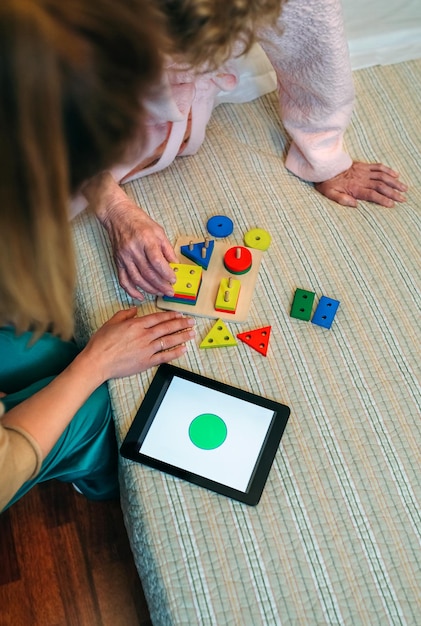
{"x": 208, "y": 431}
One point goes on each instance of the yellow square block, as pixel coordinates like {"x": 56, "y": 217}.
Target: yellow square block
{"x": 188, "y": 279}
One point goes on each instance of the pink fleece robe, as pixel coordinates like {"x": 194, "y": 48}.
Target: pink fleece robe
{"x": 309, "y": 55}
{"x": 315, "y": 86}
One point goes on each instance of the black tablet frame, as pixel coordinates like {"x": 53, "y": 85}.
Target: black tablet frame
{"x": 149, "y": 408}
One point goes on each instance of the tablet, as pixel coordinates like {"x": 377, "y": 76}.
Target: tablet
{"x": 207, "y": 432}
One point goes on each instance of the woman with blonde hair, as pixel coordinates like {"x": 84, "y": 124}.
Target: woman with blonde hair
{"x": 73, "y": 76}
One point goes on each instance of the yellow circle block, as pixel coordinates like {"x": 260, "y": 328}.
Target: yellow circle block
{"x": 257, "y": 238}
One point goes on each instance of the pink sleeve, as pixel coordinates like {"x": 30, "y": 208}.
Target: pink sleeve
{"x": 316, "y": 92}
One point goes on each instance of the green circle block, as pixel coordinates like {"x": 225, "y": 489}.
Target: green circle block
{"x": 208, "y": 431}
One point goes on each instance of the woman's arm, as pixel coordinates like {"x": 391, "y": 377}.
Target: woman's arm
{"x": 141, "y": 250}
{"x": 316, "y": 94}
{"x": 125, "y": 345}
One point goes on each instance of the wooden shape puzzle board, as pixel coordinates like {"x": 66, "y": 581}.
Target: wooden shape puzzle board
{"x": 211, "y": 278}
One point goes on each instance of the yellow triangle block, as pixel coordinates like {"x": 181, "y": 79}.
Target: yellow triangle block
{"x": 218, "y": 337}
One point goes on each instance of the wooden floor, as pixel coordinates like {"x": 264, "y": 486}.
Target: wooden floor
{"x": 65, "y": 561}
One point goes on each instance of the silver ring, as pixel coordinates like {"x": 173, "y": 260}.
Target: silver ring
{"x": 162, "y": 345}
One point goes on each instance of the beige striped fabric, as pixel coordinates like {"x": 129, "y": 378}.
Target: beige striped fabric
{"x": 336, "y": 537}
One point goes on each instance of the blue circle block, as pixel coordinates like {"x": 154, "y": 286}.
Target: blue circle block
{"x": 220, "y": 226}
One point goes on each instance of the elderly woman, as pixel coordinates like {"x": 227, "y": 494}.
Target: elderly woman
{"x": 309, "y": 63}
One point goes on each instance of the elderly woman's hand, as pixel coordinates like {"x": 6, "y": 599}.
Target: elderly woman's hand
{"x": 372, "y": 182}
{"x": 141, "y": 250}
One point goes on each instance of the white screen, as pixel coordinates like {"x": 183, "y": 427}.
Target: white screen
{"x": 174, "y": 440}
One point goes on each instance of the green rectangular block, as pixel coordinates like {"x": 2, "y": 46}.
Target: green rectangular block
{"x": 302, "y": 304}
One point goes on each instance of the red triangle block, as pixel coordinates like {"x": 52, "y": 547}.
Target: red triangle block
{"x": 257, "y": 339}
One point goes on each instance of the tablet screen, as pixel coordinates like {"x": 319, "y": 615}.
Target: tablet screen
{"x": 207, "y": 432}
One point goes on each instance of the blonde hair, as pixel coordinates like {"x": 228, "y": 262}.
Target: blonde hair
{"x": 205, "y": 32}
{"x": 73, "y": 74}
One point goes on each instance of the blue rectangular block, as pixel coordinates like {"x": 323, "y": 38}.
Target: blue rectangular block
{"x": 325, "y": 312}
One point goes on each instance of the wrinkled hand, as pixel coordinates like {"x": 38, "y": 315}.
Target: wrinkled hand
{"x": 128, "y": 344}
{"x": 372, "y": 182}
{"x": 141, "y": 250}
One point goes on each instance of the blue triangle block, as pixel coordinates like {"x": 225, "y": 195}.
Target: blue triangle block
{"x": 195, "y": 254}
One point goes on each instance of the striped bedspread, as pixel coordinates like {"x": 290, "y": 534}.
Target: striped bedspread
{"x": 336, "y": 537}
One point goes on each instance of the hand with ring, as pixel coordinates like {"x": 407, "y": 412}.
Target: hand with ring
{"x": 128, "y": 344}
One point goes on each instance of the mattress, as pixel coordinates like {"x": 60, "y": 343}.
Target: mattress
{"x": 336, "y": 537}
